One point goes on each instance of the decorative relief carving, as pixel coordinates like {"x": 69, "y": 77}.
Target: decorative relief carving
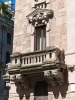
{"x": 47, "y": 74}
{"x": 13, "y": 78}
{"x": 20, "y": 81}
{"x": 55, "y": 77}
{"x": 40, "y": 16}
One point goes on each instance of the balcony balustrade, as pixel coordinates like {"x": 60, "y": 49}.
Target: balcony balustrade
{"x": 49, "y": 63}
{"x": 38, "y": 60}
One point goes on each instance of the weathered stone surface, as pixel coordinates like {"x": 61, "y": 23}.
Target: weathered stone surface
{"x": 60, "y": 32}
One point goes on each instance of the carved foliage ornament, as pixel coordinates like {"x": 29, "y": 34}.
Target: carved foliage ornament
{"x": 40, "y": 15}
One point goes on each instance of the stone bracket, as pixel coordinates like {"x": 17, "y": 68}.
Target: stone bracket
{"x": 20, "y": 81}
{"x": 55, "y": 77}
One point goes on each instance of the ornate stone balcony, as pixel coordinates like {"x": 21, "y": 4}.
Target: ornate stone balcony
{"x": 45, "y": 64}
{"x": 37, "y": 61}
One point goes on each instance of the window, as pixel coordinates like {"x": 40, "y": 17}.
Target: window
{"x": 41, "y": 89}
{"x": 40, "y": 38}
{"x": 9, "y": 38}
{"x": 7, "y": 57}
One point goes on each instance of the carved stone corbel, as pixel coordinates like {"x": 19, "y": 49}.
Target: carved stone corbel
{"x": 49, "y": 76}
{"x": 55, "y": 77}
{"x": 20, "y": 81}
{"x": 18, "y": 85}
{"x": 24, "y": 82}
{"x": 13, "y": 78}
{"x": 59, "y": 77}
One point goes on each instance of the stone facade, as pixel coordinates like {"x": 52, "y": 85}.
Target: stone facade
{"x": 49, "y": 73}
{"x": 58, "y": 27}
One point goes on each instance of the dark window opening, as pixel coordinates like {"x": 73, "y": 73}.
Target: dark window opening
{"x": 9, "y": 38}
{"x": 41, "y": 88}
{"x": 40, "y": 38}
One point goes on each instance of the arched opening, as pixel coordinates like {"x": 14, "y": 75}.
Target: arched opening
{"x": 7, "y": 57}
{"x": 41, "y": 90}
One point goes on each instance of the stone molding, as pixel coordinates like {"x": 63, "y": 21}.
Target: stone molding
{"x": 6, "y": 77}
{"x": 40, "y": 16}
